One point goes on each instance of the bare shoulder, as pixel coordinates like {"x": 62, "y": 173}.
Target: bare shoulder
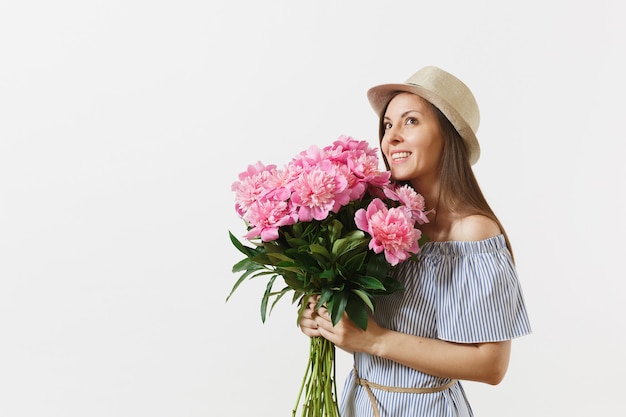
{"x": 474, "y": 227}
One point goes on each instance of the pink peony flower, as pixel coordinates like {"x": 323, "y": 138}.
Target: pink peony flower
{"x": 280, "y": 183}
{"x": 410, "y": 198}
{"x": 359, "y": 164}
{"x": 347, "y": 143}
{"x": 356, "y": 186}
{"x": 392, "y": 229}
{"x": 365, "y": 167}
{"x": 266, "y": 217}
{"x": 252, "y": 186}
{"x": 318, "y": 191}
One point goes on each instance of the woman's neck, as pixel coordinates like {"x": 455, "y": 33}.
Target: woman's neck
{"x": 430, "y": 192}
{"x": 443, "y": 218}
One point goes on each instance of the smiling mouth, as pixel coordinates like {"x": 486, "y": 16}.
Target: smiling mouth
{"x": 400, "y": 155}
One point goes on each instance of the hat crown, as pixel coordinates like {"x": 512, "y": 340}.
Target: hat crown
{"x": 451, "y": 90}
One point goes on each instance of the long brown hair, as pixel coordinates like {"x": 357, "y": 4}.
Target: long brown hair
{"x": 458, "y": 186}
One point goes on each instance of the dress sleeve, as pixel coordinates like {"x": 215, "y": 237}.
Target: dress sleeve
{"x": 480, "y": 297}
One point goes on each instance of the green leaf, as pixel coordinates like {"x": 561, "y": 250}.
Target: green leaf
{"x": 266, "y": 296}
{"x": 392, "y": 285}
{"x": 275, "y": 258}
{"x": 297, "y": 242}
{"x": 334, "y": 230}
{"x": 378, "y": 267}
{"x": 273, "y": 247}
{"x": 288, "y": 267}
{"x": 297, "y": 296}
{"x": 325, "y": 296}
{"x": 251, "y": 274}
{"x": 247, "y": 264}
{"x": 365, "y": 297}
{"x": 279, "y": 295}
{"x": 295, "y": 281}
{"x": 312, "y": 229}
{"x": 319, "y": 250}
{"x": 353, "y": 240}
{"x": 368, "y": 283}
{"x": 338, "y": 307}
{"x": 355, "y": 263}
{"x": 327, "y": 275}
{"x": 357, "y": 313}
{"x": 306, "y": 261}
{"x": 243, "y": 249}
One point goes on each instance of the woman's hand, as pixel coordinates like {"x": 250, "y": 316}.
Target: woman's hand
{"x": 307, "y": 321}
{"x": 346, "y": 335}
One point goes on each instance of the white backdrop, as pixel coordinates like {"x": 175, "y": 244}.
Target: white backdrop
{"x": 124, "y": 123}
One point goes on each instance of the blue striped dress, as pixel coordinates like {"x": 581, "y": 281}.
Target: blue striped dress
{"x": 466, "y": 292}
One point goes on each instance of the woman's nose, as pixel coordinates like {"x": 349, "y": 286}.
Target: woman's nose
{"x": 392, "y": 135}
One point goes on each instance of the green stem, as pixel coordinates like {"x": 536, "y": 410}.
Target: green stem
{"x": 319, "y": 384}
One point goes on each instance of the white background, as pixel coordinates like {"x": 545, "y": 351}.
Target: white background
{"x": 124, "y": 123}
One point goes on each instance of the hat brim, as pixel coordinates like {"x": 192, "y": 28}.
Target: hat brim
{"x": 380, "y": 96}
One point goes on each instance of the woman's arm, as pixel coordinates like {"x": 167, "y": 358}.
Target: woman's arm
{"x": 482, "y": 362}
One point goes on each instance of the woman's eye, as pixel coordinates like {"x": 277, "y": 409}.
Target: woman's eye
{"x": 387, "y": 126}
{"x": 411, "y": 121}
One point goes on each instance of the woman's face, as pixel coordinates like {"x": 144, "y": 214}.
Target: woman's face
{"x": 412, "y": 141}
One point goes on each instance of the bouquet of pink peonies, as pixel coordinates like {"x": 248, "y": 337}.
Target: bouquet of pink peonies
{"x": 330, "y": 223}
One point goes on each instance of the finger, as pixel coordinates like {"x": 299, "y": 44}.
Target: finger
{"x": 312, "y": 333}
{"x": 323, "y": 312}
{"x": 307, "y": 313}
{"x": 309, "y": 323}
{"x": 310, "y": 328}
{"x": 323, "y": 322}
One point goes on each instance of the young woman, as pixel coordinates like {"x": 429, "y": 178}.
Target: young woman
{"x": 462, "y": 302}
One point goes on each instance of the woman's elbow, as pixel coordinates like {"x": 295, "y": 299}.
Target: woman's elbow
{"x": 496, "y": 374}
{"x": 497, "y": 362}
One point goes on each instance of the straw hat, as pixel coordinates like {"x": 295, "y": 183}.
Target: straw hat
{"x": 446, "y": 92}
